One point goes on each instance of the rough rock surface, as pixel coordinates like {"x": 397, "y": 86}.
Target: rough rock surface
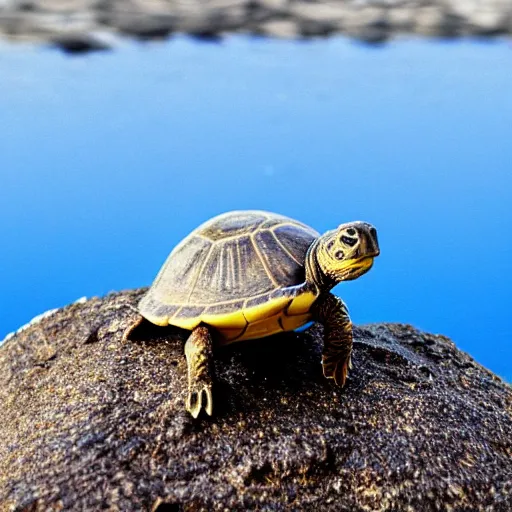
{"x": 82, "y": 25}
{"x": 91, "y": 423}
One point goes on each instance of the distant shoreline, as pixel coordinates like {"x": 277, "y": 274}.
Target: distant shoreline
{"x": 78, "y": 26}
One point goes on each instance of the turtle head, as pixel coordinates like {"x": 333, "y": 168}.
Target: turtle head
{"x": 345, "y": 253}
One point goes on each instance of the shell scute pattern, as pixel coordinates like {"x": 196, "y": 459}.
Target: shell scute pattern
{"x": 234, "y": 272}
{"x": 279, "y": 264}
{"x": 228, "y": 225}
{"x": 182, "y": 278}
{"x": 293, "y": 240}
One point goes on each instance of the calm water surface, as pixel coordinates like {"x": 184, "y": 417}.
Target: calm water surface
{"x": 108, "y": 160}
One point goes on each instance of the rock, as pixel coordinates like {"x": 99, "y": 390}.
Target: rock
{"x": 90, "y": 422}
{"x": 402, "y": 19}
{"x": 283, "y": 29}
{"x": 429, "y": 21}
{"x": 77, "y": 43}
{"x": 371, "y": 25}
{"x": 317, "y": 19}
{"x": 488, "y": 23}
{"x": 368, "y": 20}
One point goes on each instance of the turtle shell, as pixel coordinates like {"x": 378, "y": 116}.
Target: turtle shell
{"x": 236, "y": 269}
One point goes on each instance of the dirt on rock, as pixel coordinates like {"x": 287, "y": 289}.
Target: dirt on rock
{"x": 90, "y": 422}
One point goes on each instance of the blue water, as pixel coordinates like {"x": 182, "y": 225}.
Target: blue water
{"x": 108, "y": 160}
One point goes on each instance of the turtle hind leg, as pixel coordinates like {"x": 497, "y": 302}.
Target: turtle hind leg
{"x": 198, "y": 351}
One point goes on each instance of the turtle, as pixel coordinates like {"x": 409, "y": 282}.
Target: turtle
{"x": 249, "y": 274}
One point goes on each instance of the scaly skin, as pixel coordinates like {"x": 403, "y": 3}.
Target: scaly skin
{"x": 332, "y": 313}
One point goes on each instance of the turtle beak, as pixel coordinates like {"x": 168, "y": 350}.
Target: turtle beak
{"x": 371, "y": 242}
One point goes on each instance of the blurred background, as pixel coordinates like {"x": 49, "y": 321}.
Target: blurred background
{"x": 108, "y": 159}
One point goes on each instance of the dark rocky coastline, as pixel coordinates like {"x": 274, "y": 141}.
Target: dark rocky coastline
{"x": 84, "y": 25}
{"x": 90, "y": 422}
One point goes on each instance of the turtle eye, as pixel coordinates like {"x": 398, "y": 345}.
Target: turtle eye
{"x": 351, "y": 231}
{"x": 347, "y": 240}
{"x": 339, "y": 255}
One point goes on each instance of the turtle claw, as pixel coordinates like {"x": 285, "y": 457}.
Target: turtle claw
{"x": 198, "y": 351}
{"x": 198, "y": 399}
{"x": 337, "y": 371}
{"x": 341, "y": 372}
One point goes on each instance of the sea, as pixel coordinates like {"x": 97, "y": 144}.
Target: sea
{"x": 107, "y": 160}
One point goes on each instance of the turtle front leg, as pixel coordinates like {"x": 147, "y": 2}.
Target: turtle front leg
{"x": 333, "y": 314}
{"x": 198, "y": 351}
